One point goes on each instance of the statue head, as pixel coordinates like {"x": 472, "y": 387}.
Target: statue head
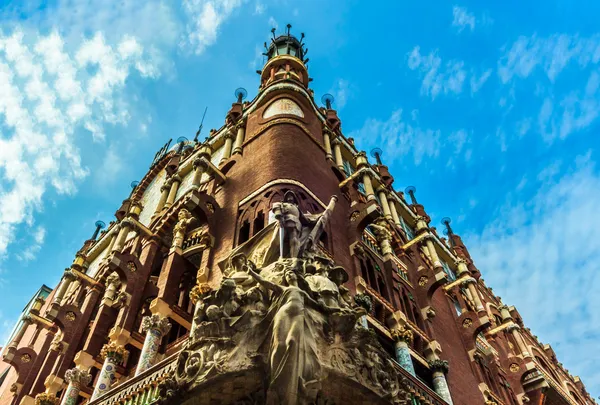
{"x": 290, "y": 277}
{"x": 338, "y": 275}
{"x": 290, "y": 197}
{"x": 238, "y": 261}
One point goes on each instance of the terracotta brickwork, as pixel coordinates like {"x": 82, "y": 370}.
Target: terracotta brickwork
{"x": 159, "y": 261}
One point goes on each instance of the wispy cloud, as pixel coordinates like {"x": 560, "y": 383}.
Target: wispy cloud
{"x": 547, "y": 237}
{"x": 462, "y": 18}
{"x": 399, "y": 138}
{"x": 205, "y": 19}
{"x": 34, "y": 245}
{"x": 552, "y": 54}
{"x": 342, "y": 91}
{"x": 443, "y": 78}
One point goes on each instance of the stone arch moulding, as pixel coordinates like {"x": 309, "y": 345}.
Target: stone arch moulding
{"x": 283, "y": 106}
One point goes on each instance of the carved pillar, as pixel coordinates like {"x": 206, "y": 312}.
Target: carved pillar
{"x": 227, "y": 147}
{"x": 440, "y": 385}
{"x": 26, "y": 321}
{"x": 461, "y": 265}
{"x": 516, "y": 332}
{"x": 470, "y": 282}
{"x": 164, "y": 193}
{"x": 113, "y": 355}
{"x": 155, "y": 327}
{"x": 384, "y": 202}
{"x": 337, "y": 153}
{"x": 394, "y": 213}
{"x": 239, "y": 138}
{"x": 403, "y": 338}
{"x": 327, "y": 143}
{"x": 435, "y": 259}
{"x": 175, "y": 180}
{"x": 125, "y": 227}
{"x": 76, "y": 379}
{"x": 384, "y": 237}
{"x": 68, "y": 277}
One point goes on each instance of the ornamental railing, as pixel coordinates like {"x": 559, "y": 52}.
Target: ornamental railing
{"x": 420, "y": 393}
{"x": 141, "y": 389}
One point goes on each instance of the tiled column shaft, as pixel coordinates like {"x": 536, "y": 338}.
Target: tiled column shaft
{"x": 113, "y": 356}
{"x": 403, "y": 356}
{"x": 76, "y": 379}
{"x": 156, "y": 327}
{"x": 440, "y": 386}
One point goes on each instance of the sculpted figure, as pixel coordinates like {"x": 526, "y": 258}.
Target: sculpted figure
{"x": 320, "y": 283}
{"x": 293, "y": 316}
{"x": 298, "y": 231}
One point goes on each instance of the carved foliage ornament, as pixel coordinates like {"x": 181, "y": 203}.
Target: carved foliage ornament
{"x": 200, "y": 291}
{"x": 402, "y": 334}
{"x": 439, "y": 365}
{"x": 113, "y": 351}
{"x": 467, "y": 323}
{"x": 46, "y": 399}
{"x": 514, "y": 368}
{"x": 78, "y": 377}
{"x": 157, "y": 323}
{"x": 26, "y": 358}
{"x": 70, "y": 316}
{"x": 423, "y": 280}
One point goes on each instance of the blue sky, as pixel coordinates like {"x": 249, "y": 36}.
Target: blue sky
{"x": 489, "y": 108}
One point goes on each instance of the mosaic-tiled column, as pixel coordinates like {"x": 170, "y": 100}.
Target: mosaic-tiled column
{"x": 156, "y": 327}
{"x": 113, "y": 355}
{"x": 403, "y": 338}
{"x": 76, "y": 379}
{"x": 439, "y": 369}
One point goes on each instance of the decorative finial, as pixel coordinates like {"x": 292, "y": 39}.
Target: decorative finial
{"x": 200, "y": 127}
{"x": 376, "y": 153}
{"x": 410, "y": 190}
{"x": 446, "y": 222}
{"x": 99, "y": 225}
{"x": 327, "y": 99}
{"x": 240, "y": 94}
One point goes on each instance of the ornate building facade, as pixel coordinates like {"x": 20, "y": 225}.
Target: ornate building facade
{"x": 273, "y": 263}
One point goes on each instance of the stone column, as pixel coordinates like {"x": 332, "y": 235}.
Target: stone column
{"x": 403, "y": 338}
{"x": 155, "y": 327}
{"x": 125, "y": 225}
{"x": 384, "y": 202}
{"x": 164, "y": 193}
{"x": 327, "y": 143}
{"x": 368, "y": 187}
{"x": 435, "y": 260}
{"x": 227, "y": 147}
{"x": 26, "y": 321}
{"x": 239, "y": 138}
{"x": 516, "y": 332}
{"x": 68, "y": 277}
{"x": 394, "y": 212}
{"x": 337, "y": 153}
{"x": 76, "y": 379}
{"x": 175, "y": 180}
{"x": 440, "y": 385}
{"x": 470, "y": 281}
{"x": 461, "y": 265}
{"x": 113, "y": 355}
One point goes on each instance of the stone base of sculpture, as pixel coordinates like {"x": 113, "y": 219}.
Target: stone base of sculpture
{"x": 271, "y": 338}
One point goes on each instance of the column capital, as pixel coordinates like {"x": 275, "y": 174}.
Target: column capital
{"x": 336, "y": 141}
{"x": 229, "y": 133}
{"x": 69, "y": 274}
{"x": 77, "y": 377}
{"x": 439, "y": 365}
{"x": 241, "y": 123}
{"x": 27, "y": 319}
{"x": 46, "y": 399}
{"x": 402, "y": 334}
{"x": 156, "y": 322}
{"x": 468, "y": 280}
{"x": 513, "y": 327}
{"x": 383, "y": 189}
{"x": 175, "y": 178}
{"x": 166, "y": 186}
{"x": 199, "y": 162}
{"x": 113, "y": 351}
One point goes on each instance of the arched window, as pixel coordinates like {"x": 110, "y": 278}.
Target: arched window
{"x": 244, "y": 233}
{"x": 259, "y": 222}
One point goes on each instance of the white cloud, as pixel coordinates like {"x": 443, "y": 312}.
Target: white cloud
{"x": 462, "y": 18}
{"x": 206, "y": 17}
{"x": 34, "y": 246}
{"x": 342, "y": 91}
{"x": 399, "y": 138}
{"x": 549, "y": 245}
{"x": 443, "y": 78}
{"x": 273, "y": 23}
{"x": 259, "y": 8}
{"x": 552, "y": 54}
{"x": 48, "y": 94}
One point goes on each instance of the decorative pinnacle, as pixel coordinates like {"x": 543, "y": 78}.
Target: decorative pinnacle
{"x": 410, "y": 190}
{"x": 99, "y": 225}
